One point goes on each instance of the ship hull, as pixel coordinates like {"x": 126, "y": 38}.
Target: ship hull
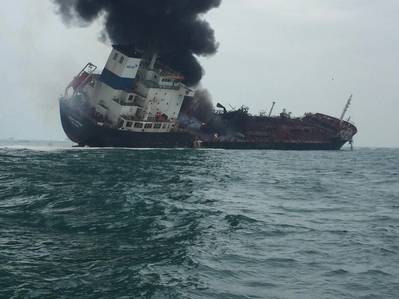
{"x": 82, "y": 130}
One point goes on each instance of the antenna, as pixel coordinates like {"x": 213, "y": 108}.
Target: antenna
{"x": 348, "y": 103}
{"x": 271, "y": 109}
{"x": 153, "y": 61}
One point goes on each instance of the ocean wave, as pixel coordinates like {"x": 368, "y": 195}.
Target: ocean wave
{"x": 93, "y": 223}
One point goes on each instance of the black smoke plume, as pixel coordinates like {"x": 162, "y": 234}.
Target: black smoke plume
{"x": 174, "y": 29}
{"x": 199, "y": 107}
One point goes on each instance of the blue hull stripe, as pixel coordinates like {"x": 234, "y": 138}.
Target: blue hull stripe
{"x": 115, "y": 81}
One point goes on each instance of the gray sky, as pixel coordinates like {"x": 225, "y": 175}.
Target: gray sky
{"x": 309, "y": 55}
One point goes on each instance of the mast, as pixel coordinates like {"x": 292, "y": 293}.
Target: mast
{"x": 153, "y": 61}
{"x": 271, "y": 109}
{"x": 346, "y": 108}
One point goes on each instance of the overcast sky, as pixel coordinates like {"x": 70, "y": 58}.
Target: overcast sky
{"x": 308, "y": 55}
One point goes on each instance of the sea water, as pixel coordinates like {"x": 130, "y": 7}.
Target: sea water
{"x": 123, "y": 223}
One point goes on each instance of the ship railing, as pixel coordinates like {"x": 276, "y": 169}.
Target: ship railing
{"x": 148, "y": 120}
{"x": 153, "y": 84}
{"x": 160, "y": 119}
{"x": 161, "y": 69}
{"x": 173, "y": 87}
{"x": 125, "y": 103}
{"x": 83, "y": 77}
{"x": 322, "y": 122}
{"x": 130, "y": 118}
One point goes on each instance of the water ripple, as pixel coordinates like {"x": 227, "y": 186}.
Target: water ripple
{"x": 121, "y": 223}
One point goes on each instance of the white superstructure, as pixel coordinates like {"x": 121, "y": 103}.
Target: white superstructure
{"x": 133, "y": 92}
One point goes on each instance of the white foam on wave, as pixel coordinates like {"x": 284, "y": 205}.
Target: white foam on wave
{"x": 65, "y": 146}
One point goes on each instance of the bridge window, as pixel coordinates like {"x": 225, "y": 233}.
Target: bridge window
{"x": 129, "y": 124}
{"x": 131, "y": 97}
{"x": 157, "y": 126}
{"x": 138, "y": 125}
{"x": 121, "y": 59}
{"x": 116, "y": 56}
{"x": 148, "y": 126}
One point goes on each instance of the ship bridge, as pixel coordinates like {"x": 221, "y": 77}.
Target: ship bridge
{"x": 136, "y": 92}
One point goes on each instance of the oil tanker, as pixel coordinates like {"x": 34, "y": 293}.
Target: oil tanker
{"x": 138, "y": 101}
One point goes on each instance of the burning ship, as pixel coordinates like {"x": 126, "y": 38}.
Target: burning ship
{"x": 137, "y": 101}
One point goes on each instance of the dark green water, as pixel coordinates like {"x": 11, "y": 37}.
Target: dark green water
{"x": 108, "y": 223}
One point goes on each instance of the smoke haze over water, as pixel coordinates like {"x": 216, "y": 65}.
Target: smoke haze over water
{"x": 174, "y": 29}
{"x": 200, "y": 106}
